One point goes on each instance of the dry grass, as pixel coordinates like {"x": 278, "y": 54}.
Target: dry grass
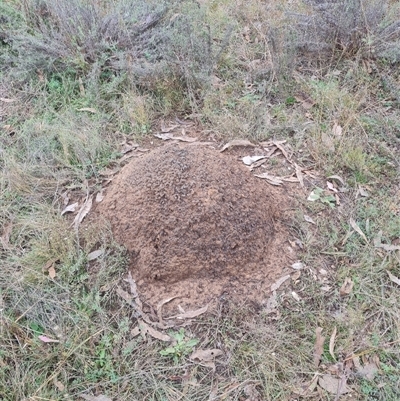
{"x": 240, "y": 67}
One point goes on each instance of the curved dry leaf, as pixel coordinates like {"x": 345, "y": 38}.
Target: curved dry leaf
{"x": 144, "y": 327}
{"x": 237, "y": 142}
{"x": 356, "y": 228}
{"x": 70, "y": 208}
{"x": 207, "y": 355}
{"x": 332, "y": 343}
{"x": 346, "y": 287}
{"x": 169, "y": 129}
{"x": 319, "y": 346}
{"x": 84, "y": 210}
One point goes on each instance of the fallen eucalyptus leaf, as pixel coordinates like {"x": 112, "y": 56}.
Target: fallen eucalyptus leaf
{"x": 338, "y": 178}
{"x": 332, "y": 343}
{"x": 84, "y": 210}
{"x": 318, "y": 346}
{"x": 356, "y": 228}
{"x": 154, "y": 333}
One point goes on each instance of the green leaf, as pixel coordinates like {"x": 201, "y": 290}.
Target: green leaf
{"x": 191, "y": 343}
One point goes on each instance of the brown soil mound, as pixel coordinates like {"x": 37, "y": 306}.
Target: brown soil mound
{"x": 197, "y": 225}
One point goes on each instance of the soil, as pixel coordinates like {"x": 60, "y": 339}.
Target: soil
{"x": 198, "y": 225}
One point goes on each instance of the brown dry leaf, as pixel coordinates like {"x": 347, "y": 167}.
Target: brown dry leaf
{"x": 70, "y": 208}
{"x": 160, "y": 305}
{"x": 237, "y": 142}
{"x": 356, "y": 228}
{"x": 332, "y": 343}
{"x": 393, "y": 278}
{"x": 190, "y": 314}
{"x": 333, "y": 385}
{"x": 207, "y": 355}
{"x": 337, "y": 130}
{"x": 84, "y": 210}
{"x": 94, "y": 255}
{"x": 346, "y": 287}
{"x": 5, "y": 100}
{"x": 153, "y": 332}
{"x": 101, "y": 397}
{"x": 279, "y": 282}
{"x": 52, "y": 272}
{"x": 270, "y": 179}
{"x": 307, "y": 389}
{"x": 81, "y": 87}
{"x": 89, "y": 109}
{"x": 166, "y": 137}
{"x": 319, "y": 346}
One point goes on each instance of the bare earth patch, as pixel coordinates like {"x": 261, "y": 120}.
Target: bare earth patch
{"x": 198, "y": 226}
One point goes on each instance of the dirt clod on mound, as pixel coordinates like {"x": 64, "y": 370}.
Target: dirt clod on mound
{"x": 197, "y": 225}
